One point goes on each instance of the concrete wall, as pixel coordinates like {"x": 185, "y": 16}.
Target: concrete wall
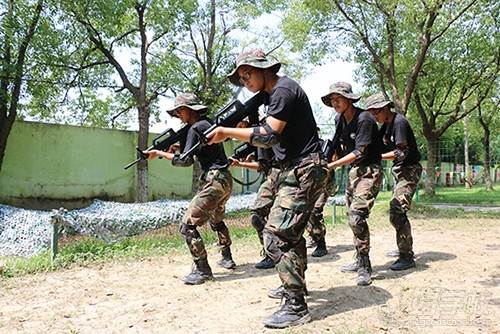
{"x": 48, "y": 165}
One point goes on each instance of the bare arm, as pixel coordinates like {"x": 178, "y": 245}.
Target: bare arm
{"x": 342, "y": 161}
{"x": 254, "y": 165}
{"x": 388, "y": 156}
{"x": 153, "y": 154}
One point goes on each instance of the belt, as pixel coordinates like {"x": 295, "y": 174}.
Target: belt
{"x": 297, "y": 161}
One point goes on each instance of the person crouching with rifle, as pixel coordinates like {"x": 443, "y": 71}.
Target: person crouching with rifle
{"x": 214, "y": 189}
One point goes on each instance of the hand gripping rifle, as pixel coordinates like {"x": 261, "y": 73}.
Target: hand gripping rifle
{"x": 327, "y": 149}
{"x": 331, "y": 145}
{"x": 161, "y": 142}
{"x": 243, "y": 151}
{"x": 230, "y": 115}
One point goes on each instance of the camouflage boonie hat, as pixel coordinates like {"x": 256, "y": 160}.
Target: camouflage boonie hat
{"x": 188, "y": 100}
{"x": 377, "y": 101}
{"x": 341, "y": 88}
{"x": 255, "y": 58}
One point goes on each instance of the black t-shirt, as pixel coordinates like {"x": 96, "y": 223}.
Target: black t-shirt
{"x": 400, "y": 134}
{"x": 289, "y": 103}
{"x": 209, "y": 156}
{"x": 361, "y": 132}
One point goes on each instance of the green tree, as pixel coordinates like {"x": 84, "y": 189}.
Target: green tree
{"x": 144, "y": 31}
{"x": 389, "y": 38}
{"x": 20, "y": 23}
{"x": 401, "y": 43}
{"x": 457, "y": 76}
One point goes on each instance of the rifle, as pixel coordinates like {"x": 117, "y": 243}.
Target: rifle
{"x": 327, "y": 149}
{"x": 161, "y": 142}
{"x": 243, "y": 151}
{"x": 230, "y": 115}
{"x": 329, "y": 145}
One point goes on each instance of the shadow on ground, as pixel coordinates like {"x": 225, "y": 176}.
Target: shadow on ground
{"x": 247, "y": 270}
{"x": 340, "y": 299}
{"x": 422, "y": 261}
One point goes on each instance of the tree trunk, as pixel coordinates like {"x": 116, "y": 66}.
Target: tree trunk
{"x": 488, "y": 184}
{"x": 468, "y": 172}
{"x": 142, "y": 189}
{"x": 430, "y": 181}
{"x": 5, "y": 127}
{"x": 487, "y": 157}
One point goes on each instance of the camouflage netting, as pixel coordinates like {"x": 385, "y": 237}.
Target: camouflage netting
{"x": 23, "y": 232}
{"x": 27, "y": 232}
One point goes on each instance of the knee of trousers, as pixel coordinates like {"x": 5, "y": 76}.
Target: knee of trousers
{"x": 357, "y": 220}
{"x": 219, "y": 227}
{"x": 189, "y": 232}
{"x": 398, "y": 219}
{"x": 273, "y": 246}
{"x": 258, "y": 222}
{"x": 397, "y": 214}
{"x": 196, "y": 216}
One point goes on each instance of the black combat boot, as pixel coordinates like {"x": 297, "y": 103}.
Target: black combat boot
{"x": 265, "y": 263}
{"x": 227, "y": 260}
{"x": 364, "y": 271}
{"x": 405, "y": 261}
{"x": 320, "y": 248}
{"x": 292, "y": 313}
{"x": 200, "y": 274}
{"x": 279, "y": 292}
{"x": 276, "y": 293}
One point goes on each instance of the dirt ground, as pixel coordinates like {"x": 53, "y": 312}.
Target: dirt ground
{"x": 455, "y": 288}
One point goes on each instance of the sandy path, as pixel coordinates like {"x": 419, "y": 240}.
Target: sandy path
{"x": 454, "y": 289}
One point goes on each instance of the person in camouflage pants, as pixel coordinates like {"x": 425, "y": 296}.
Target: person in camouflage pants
{"x": 356, "y": 142}
{"x": 299, "y": 189}
{"x": 290, "y": 129}
{"x": 208, "y": 205}
{"x": 262, "y": 162}
{"x": 407, "y": 178}
{"x": 261, "y": 209}
{"x": 399, "y": 145}
{"x": 215, "y": 186}
{"x": 316, "y": 228}
{"x": 361, "y": 191}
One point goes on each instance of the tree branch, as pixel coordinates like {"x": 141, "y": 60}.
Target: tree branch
{"x": 21, "y": 56}
{"x": 452, "y": 20}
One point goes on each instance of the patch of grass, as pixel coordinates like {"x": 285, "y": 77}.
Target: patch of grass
{"x": 459, "y": 195}
{"x": 239, "y": 213}
{"x": 84, "y": 251}
{"x": 423, "y": 211}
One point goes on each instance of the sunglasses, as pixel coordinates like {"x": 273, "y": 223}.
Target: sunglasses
{"x": 375, "y": 111}
{"x": 245, "y": 77}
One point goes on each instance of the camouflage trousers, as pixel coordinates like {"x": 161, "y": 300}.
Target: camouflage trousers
{"x": 208, "y": 205}
{"x": 264, "y": 201}
{"x": 316, "y": 225}
{"x": 406, "y": 178}
{"x": 362, "y": 189}
{"x": 298, "y": 189}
